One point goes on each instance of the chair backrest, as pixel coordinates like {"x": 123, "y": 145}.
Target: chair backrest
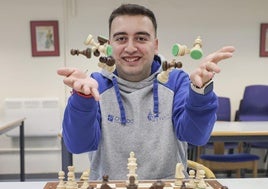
{"x": 224, "y": 109}
{"x": 197, "y": 166}
{"x": 254, "y": 105}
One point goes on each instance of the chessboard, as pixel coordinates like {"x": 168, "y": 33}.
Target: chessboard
{"x": 196, "y": 180}
{"x": 168, "y": 184}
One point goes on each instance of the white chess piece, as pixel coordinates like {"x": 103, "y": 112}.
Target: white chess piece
{"x": 84, "y": 178}
{"x": 201, "y": 184}
{"x": 61, "y": 177}
{"x": 179, "y": 175}
{"x": 132, "y": 166}
{"x": 191, "y": 183}
{"x": 71, "y": 183}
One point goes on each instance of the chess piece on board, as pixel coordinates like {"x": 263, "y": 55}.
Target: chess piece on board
{"x": 132, "y": 184}
{"x": 201, "y": 182}
{"x": 132, "y": 166}
{"x": 84, "y": 178}
{"x": 61, "y": 177}
{"x": 71, "y": 183}
{"x": 179, "y": 175}
{"x": 191, "y": 183}
{"x": 105, "y": 180}
{"x": 158, "y": 185}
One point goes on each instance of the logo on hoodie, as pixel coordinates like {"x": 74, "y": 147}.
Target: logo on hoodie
{"x": 117, "y": 119}
{"x": 154, "y": 117}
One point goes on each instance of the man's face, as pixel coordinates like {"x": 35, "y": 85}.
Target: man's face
{"x": 134, "y": 46}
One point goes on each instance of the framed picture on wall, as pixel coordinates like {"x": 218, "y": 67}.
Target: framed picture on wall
{"x": 45, "y": 38}
{"x": 264, "y": 40}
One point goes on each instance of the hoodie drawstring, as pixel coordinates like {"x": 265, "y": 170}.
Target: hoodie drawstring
{"x": 155, "y": 93}
{"x": 121, "y": 106}
{"x": 120, "y": 103}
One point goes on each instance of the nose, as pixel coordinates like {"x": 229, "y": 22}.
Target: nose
{"x": 130, "y": 46}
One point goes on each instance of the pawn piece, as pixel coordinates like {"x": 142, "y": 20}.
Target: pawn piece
{"x": 84, "y": 178}
{"x": 173, "y": 64}
{"x": 61, "y": 177}
{"x": 97, "y": 47}
{"x": 102, "y": 40}
{"x": 107, "y": 63}
{"x": 86, "y": 52}
{"x": 163, "y": 76}
{"x": 105, "y": 180}
{"x": 167, "y": 68}
{"x": 71, "y": 183}
{"x": 201, "y": 184}
{"x": 158, "y": 185}
{"x": 180, "y": 50}
{"x": 132, "y": 184}
{"x": 191, "y": 183}
{"x": 196, "y": 52}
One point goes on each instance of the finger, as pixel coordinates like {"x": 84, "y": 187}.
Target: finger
{"x": 69, "y": 81}
{"x": 223, "y": 53}
{"x": 65, "y": 71}
{"x": 212, "y": 67}
{"x": 95, "y": 94}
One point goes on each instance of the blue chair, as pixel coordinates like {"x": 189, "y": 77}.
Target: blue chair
{"x": 223, "y": 114}
{"x": 219, "y": 161}
{"x": 254, "y": 107}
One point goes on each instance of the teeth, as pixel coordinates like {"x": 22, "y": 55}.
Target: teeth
{"x": 131, "y": 59}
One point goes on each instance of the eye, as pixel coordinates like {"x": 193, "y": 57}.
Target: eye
{"x": 142, "y": 38}
{"x": 121, "y": 39}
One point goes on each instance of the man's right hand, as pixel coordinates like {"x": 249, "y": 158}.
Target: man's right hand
{"x": 79, "y": 81}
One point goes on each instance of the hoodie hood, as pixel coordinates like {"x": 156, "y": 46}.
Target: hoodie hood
{"x": 128, "y": 87}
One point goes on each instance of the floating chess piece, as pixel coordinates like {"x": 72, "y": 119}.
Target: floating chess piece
{"x": 107, "y": 63}
{"x": 167, "y": 68}
{"x": 195, "y": 53}
{"x": 86, "y": 52}
{"x": 98, "y": 47}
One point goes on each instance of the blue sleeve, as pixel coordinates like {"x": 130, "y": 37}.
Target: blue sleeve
{"x": 194, "y": 114}
{"x": 81, "y": 124}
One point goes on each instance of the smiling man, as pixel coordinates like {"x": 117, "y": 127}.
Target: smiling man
{"x": 111, "y": 114}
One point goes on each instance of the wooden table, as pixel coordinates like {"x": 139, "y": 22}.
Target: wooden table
{"x": 7, "y": 125}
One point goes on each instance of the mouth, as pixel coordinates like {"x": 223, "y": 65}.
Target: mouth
{"x": 131, "y": 59}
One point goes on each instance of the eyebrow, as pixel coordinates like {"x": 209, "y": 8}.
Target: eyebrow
{"x": 138, "y": 33}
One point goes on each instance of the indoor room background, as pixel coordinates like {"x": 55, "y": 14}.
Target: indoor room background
{"x": 23, "y": 76}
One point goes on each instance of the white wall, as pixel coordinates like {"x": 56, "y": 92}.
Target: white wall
{"x": 217, "y": 22}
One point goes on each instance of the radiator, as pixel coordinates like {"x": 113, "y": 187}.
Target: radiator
{"x": 42, "y": 115}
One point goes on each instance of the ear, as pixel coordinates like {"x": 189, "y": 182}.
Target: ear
{"x": 156, "y": 46}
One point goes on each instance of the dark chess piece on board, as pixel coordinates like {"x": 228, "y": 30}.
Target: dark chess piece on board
{"x": 105, "y": 180}
{"x": 158, "y": 185}
{"x": 132, "y": 184}
{"x": 183, "y": 186}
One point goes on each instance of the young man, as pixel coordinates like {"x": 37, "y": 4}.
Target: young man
{"x": 111, "y": 114}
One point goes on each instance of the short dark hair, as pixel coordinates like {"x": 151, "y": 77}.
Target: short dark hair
{"x": 132, "y": 9}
